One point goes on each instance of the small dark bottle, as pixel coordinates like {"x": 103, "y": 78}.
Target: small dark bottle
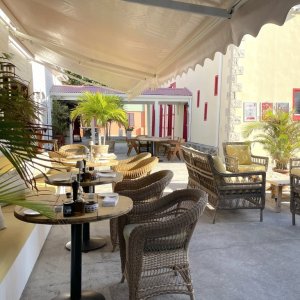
{"x": 78, "y": 203}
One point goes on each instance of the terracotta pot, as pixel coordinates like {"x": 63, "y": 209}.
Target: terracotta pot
{"x": 281, "y": 171}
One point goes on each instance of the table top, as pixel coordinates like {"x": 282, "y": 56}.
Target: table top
{"x": 105, "y": 162}
{"x": 278, "y": 179}
{"x": 65, "y": 179}
{"x": 153, "y": 139}
{"x": 123, "y": 206}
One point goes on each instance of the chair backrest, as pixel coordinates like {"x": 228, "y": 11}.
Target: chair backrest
{"x": 177, "y": 218}
{"x": 135, "y": 159}
{"x": 139, "y": 169}
{"x": 146, "y": 188}
{"x": 73, "y": 149}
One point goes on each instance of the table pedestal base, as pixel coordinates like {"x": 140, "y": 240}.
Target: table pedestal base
{"x": 90, "y": 245}
{"x": 85, "y": 295}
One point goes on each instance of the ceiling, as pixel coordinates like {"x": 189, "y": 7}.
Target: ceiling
{"x": 131, "y": 46}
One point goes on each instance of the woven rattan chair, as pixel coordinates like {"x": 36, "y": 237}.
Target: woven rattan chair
{"x": 295, "y": 188}
{"x": 140, "y": 190}
{"x": 154, "y": 240}
{"x": 137, "y": 169}
{"x": 225, "y": 190}
{"x": 135, "y": 158}
{"x": 238, "y": 158}
{"x": 73, "y": 150}
{"x": 132, "y": 144}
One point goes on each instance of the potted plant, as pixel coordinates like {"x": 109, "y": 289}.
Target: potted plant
{"x": 60, "y": 120}
{"x": 18, "y": 141}
{"x": 129, "y": 131}
{"x": 101, "y": 108}
{"x": 279, "y": 135}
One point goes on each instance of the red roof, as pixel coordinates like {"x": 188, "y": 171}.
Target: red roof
{"x": 78, "y": 89}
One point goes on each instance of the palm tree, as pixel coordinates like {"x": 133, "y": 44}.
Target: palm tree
{"x": 18, "y": 142}
{"x": 278, "y": 134}
{"x": 103, "y": 109}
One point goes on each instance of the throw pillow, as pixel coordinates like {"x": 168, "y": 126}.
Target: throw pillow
{"x": 219, "y": 164}
{"x": 242, "y": 152}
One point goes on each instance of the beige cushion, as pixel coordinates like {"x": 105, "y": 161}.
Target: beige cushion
{"x": 252, "y": 167}
{"x": 219, "y": 164}
{"x": 295, "y": 171}
{"x": 242, "y": 152}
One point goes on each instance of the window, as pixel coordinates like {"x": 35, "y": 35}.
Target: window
{"x": 130, "y": 119}
{"x": 296, "y": 104}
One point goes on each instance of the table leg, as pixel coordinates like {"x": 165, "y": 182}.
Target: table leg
{"x": 278, "y": 198}
{"x": 88, "y": 243}
{"x": 76, "y": 268}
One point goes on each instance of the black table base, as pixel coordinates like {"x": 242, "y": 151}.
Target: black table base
{"x": 85, "y": 295}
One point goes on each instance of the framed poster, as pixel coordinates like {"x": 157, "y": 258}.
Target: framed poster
{"x": 265, "y": 106}
{"x": 250, "y": 111}
{"x": 283, "y": 106}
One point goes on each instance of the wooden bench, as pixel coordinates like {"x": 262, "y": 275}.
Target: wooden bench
{"x": 225, "y": 190}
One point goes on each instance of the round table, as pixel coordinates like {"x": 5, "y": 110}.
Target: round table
{"x": 65, "y": 179}
{"x": 123, "y": 206}
{"x": 71, "y": 163}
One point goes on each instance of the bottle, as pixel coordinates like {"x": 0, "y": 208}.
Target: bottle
{"x": 78, "y": 202}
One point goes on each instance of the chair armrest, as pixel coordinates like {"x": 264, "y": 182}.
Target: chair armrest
{"x": 294, "y": 163}
{"x": 260, "y": 160}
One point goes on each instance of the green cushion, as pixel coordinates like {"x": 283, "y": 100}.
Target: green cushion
{"x": 219, "y": 164}
{"x": 242, "y": 152}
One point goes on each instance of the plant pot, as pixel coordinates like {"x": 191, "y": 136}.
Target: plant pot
{"x": 128, "y": 134}
{"x": 281, "y": 171}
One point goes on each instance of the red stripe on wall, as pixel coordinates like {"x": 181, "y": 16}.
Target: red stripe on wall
{"x": 153, "y": 120}
{"x": 216, "y": 85}
{"x": 198, "y": 98}
{"x": 205, "y": 111}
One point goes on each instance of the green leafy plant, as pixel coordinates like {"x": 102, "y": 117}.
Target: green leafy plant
{"x": 102, "y": 108}
{"x": 278, "y": 134}
{"x": 60, "y": 117}
{"x": 18, "y": 141}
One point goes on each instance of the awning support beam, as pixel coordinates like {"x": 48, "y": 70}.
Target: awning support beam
{"x": 187, "y": 7}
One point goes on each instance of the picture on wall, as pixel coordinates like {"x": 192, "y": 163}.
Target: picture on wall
{"x": 283, "y": 106}
{"x": 250, "y": 111}
{"x": 265, "y": 106}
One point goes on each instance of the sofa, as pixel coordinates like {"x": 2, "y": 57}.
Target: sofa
{"x": 225, "y": 190}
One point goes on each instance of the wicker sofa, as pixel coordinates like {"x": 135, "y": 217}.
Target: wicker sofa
{"x": 225, "y": 190}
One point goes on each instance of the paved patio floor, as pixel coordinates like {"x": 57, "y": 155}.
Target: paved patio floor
{"x": 238, "y": 258}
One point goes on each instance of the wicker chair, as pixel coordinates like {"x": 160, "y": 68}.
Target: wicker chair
{"x": 137, "y": 169}
{"x": 225, "y": 190}
{"x": 140, "y": 190}
{"x": 154, "y": 240}
{"x": 135, "y": 158}
{"x": 238, "y": 158}
{"x": 295, "y": 188}
{"x": 73, "y": 150}
{"x": 132, "y": 144}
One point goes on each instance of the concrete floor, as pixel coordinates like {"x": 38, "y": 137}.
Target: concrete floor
{"x": 238, "y": 258}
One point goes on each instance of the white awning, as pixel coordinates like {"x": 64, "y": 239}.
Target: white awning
{"x": 131, "y": 46}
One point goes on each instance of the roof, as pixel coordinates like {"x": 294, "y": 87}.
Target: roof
{"x": 77, "y": 89}
{"x": 132, "y": 45}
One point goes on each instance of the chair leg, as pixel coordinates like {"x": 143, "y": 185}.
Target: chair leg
{"x": 114, "y": 233}
{"x": 261, "y": 215}
{"x": 214, "y": 217}
{"x": 122, "y": 279}
{"x": 293, "y": 218}
{"x": 129, "y": 150}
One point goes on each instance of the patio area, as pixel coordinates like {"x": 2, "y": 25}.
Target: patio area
{"x": 236, "y": 258}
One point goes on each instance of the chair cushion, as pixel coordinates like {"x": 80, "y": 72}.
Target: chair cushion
{"x": 219, "y": 164}
{"x": 242, "y": 152}
{"x": 252, "y": 167}
{"x": 295, "y": 171}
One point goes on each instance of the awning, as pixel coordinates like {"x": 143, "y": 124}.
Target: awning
{"x": 131, "y": 46}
